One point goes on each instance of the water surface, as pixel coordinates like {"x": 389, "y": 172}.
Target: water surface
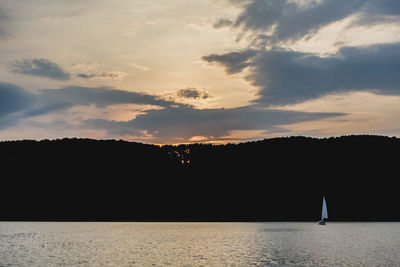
{"x": 199, "y": 244}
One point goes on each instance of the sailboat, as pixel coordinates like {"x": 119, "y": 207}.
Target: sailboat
{"x": 324, "y": 212}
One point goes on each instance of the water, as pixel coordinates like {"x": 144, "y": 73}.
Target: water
{"x": 199, "y": 244}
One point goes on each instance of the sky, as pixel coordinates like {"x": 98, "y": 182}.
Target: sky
{"x": 179, "y": 71}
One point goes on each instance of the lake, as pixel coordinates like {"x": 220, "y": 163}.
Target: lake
{"x": 199, "y": 244}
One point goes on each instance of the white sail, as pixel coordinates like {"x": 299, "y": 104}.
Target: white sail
{"x": 324, "y": 209}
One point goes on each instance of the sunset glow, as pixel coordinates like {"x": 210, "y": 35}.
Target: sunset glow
{"x": 178, "y": 71}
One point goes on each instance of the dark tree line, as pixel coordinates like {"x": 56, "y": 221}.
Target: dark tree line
{"x": 267, "y": 180}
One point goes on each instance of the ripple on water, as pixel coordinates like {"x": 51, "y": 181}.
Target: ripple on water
{"x": 199, "y": 244}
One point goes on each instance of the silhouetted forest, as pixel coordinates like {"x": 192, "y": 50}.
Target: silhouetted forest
{"x": 278, "y": 179}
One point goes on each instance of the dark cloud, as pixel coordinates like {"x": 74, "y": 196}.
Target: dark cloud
{"x": 374, "y": 10}
{"x": 193, "y": 93}
{"x": 105, "y": 75}
{"x": 288, "y": 20}
{"x": 41, "y": 108}
{"x": 13, "y": 99}
{"x": 222, "y": 23}
{"x": 16, "y": 103}
{"x": 39, "y": 67}
{"x": 85, "y": 76}
{"x": 99, "y": 96}
{"x": 169, "y": 124}
{"x": 286, "y": 77}
{"x": 234, "y": 61}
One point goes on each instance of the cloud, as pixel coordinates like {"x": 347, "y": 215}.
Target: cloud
{"x": 222, "y": 23}
{"x": 16, "y": 103}
{"x": 112, "y": 75}
{"x": 292, "y": 20}
{"x": 13, "y": 99}
{"x": 99, "y": 96}
{"x": 167, "y": 124}
{"x": 234, "y": 62}
{"x": 39, "y": 67}
{"x": 172, "y": 124}
{"x": 193, "y": 93}
{"x": 286, "y": 77}
{"x": 379, "y": 10}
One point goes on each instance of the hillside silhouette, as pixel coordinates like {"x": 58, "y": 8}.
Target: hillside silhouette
{"x": 277, "y": 179}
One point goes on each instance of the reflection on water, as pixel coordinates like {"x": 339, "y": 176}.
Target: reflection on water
{"x": 195, "y": 244}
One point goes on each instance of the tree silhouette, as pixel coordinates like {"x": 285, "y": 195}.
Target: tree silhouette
{"x": 271, "y": 179}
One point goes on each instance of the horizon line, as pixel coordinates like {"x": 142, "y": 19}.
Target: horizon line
{"x": 215, "y": 143}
